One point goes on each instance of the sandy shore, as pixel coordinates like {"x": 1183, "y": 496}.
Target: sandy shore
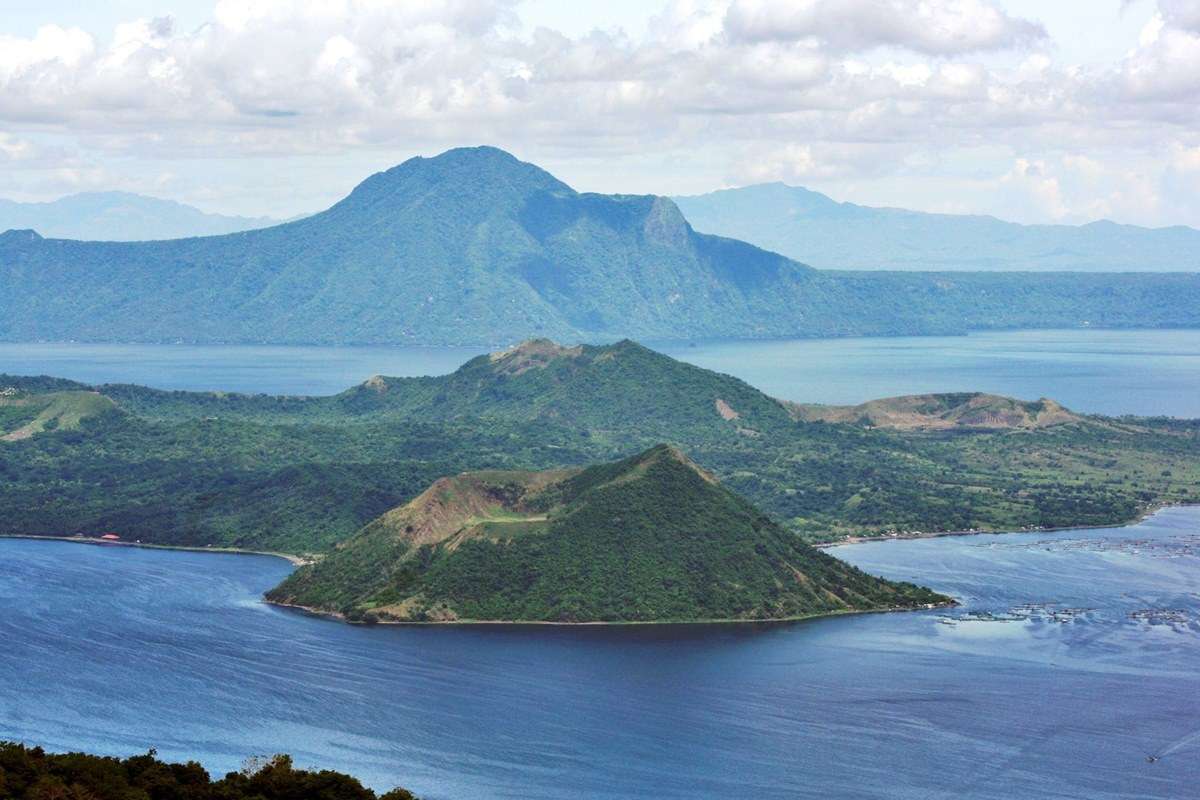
{"x": 298, "y": 561}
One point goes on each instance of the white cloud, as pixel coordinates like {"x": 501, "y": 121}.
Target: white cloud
{"x": 1074, "y": 188}
{"x": 805, "y": 163}
{"x": 1031, "y": 179}
{"x": 1184, "y": 14}
{"x": 802, "y": 90}
{"x": 936, "y": 27}
{"x": 365, "y": 70}
{"x": 1165, "y": 67}
{"x": 51, "y": 47}
{"x": 13, "y": 148}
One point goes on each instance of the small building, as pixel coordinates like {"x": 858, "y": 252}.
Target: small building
{"x": 112, "y": 537}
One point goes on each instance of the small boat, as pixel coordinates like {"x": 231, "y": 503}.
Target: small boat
{"x": 1152, "y": 759}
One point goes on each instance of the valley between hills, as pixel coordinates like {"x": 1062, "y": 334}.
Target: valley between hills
{"x": 501, "y": 491}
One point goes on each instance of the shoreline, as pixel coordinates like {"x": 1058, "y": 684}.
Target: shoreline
{"x": 336, "y": 616}
{"x": 684, "y": 341}
{"x": 294, "y": 560}
{"x": 1142, "y": 516}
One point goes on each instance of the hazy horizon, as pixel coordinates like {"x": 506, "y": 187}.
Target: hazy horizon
{"x": 279, "y": 218}
{"x": 1069, "y": 113}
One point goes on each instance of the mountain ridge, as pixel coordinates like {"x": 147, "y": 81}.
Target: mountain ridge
{"x": 120, "y": 216}
{"x": 476, "y": 247}
{"x": 812, "y": 227}
{"x": 539, "y": 379}
{"x": 942, "y": 411}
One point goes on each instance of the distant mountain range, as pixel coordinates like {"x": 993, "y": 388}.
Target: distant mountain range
{"x": 120, "y": 217}
{"x": 474, "y": 246}
{"x": 813, "y": 228}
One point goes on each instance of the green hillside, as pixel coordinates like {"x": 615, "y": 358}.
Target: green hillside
{"x": 649, "y": 538}
{"x": 23, "y": 414}
{"x": 474, "y": 246}
{"x": 618, "y": 393}
{"x": 942, "y": 412}
{"x": 301, "y": 474}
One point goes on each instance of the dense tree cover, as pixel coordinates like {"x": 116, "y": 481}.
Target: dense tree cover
{"x": 30, "y": 773}
{"x": 15, "y": 416}
{"x": 291, "y": 488}
{"x": 475, "y": 246}
{"x": 648, "y": 538}
{"x": 299, "y": 474}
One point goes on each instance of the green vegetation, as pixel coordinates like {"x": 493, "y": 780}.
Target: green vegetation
{"x": 942, "y": 412}
{"x": 474, "y": 246}
{"x": 30, "y": 773}
{"x": 650, "y": 538}
{"x": 23, "y": 415}
{"x": 298, "y": 475}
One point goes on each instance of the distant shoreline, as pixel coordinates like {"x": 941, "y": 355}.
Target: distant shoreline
{"x": 298, "y": 561}
{"x": 1142, "y": 516}
{"x": 647, "y": 340}
{"x": 334, "y": 616}
{"x": 301, "y": 561}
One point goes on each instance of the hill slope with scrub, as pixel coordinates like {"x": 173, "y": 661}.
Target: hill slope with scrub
{"x": 649, "y": 538}
{"x": 302, "y": 474}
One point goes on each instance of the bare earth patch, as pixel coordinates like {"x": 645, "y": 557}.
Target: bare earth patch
{"x": 726, "y": 411}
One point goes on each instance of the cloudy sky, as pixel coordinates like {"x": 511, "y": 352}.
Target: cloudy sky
{"x": 1033, "y": 110}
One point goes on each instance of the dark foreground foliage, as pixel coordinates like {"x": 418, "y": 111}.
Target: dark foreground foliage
{"x": 30, "y": 773}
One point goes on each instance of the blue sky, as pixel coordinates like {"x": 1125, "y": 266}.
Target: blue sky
{"x": 1061, "y": 111}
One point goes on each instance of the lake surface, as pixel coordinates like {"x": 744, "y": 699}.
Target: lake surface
{"x": 117, "y": 649}
{"x": 1106, "y": 372}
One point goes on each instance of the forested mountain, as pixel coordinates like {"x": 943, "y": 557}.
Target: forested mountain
{"x": 474, "y": 246}
{"x": 119, "y": 217}
{"x": 813, "y": 228}
{"x": 302, "y": 474}
{"x": 650, "y": 538}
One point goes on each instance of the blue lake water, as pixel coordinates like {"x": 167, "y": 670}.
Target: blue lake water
{"x": 1107, "y": 372}
{"x": 117, "y": 649}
